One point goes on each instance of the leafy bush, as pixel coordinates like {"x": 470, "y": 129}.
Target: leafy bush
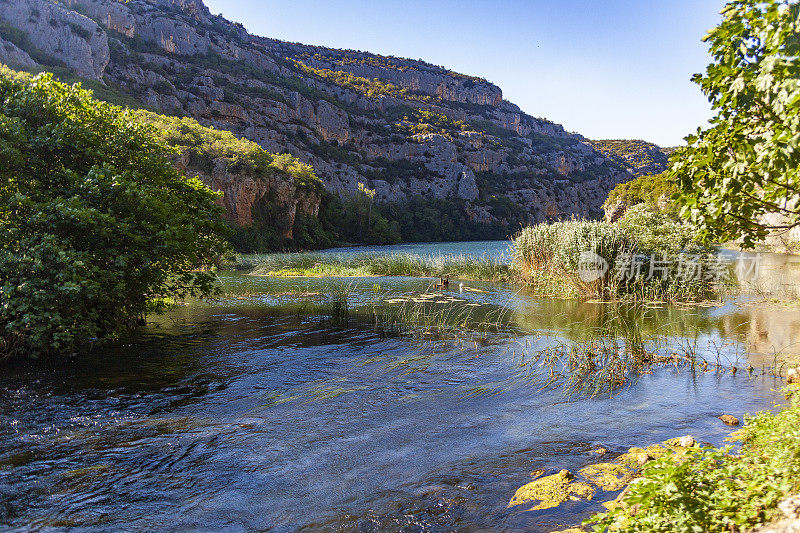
{"x": 96, "y": 223}
{"x": 423, "y": 219}
{"x": 746, "y": 164}
{"x": 653, "y": 190}
{"x": 711, "y": 489}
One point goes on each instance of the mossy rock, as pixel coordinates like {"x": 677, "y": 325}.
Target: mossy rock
{"x": 608, "y": 476}
{"x": 552, "y": 491}
{"x": 636, "y": 457}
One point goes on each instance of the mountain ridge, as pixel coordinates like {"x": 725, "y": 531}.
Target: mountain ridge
{"x": 408, "y": 129}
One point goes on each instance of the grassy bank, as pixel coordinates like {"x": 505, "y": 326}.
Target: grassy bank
{"x": 647, "y": 255}
{"x": 711, "y": 489}
{"x": 400, "y": 264}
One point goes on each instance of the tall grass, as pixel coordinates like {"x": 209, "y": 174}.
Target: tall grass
{"x": 464, "y": 267}
{"x": 648, "y": 255}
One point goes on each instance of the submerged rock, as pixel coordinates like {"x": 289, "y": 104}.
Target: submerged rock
{"x": 619, "y": 501}
{"x": 551, "y": 491}
{"x": 729, "y": 420}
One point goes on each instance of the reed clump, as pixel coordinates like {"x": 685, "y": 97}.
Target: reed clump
{"x": 647, "y": 255}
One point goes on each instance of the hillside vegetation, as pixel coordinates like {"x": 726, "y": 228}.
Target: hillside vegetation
{"x": 656, "y": 191}
{"x": 424, "y": 138}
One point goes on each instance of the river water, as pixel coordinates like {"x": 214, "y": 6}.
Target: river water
{"x": 257, "y": 411}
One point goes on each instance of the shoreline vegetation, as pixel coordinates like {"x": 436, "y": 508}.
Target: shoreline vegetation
{"x": 718, "y": 489}
{"x": 548, "y": 259}
{"x": 309, "y": 264}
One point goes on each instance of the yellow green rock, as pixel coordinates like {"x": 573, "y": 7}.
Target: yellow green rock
{"x": 552, "y": 491}
{"x": 636, "y": 457}
{"x": 608, "y": 476}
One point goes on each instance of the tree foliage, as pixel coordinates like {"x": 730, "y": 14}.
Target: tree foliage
{"x": 97, "y": 225}
{"x": 653, "y": 190}
{"x": 746, "y": 164}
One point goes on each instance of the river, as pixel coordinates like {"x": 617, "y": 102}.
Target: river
{"x": 253, "y": 412}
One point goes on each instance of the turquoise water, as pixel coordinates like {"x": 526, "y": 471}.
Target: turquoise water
{"x": 255, "y": 411}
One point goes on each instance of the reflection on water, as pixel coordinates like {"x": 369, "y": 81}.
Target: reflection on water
{"x": 244, "y": 413}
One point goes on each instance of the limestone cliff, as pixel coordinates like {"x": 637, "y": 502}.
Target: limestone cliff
{"x": 254, "y": 183}
{"x": 403, "y": 127}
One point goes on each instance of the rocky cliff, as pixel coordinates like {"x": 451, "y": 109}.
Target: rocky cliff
{"x": 254, "y": 183}
{"x": 406, "y": 128}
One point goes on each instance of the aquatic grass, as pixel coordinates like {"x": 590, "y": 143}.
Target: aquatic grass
{"x": 333, "y": 307}
{"x": 604, "y": 364}
{"x": 437, "y": 315}
{"x": 465, "y": 267}
{"x": 616, "y": 352}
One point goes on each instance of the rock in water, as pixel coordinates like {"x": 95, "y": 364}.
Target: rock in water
{"x": 729, "y": 420}
{"x": 793, "y": 375}
{"x": 552, "y": 491}
{"x": 682, "y": 442}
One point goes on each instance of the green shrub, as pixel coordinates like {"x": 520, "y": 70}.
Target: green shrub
{"x": 632, "y": 152}
{"x": 96, "y": 223}
{"x": 652, "y": 190}
{"x": 204, "y": 145}
{"x": 711, "y": 489}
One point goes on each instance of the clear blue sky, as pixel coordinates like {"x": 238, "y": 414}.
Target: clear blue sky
{"x": 603, "y": 68}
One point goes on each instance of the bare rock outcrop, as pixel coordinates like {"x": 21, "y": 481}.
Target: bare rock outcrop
{"x": 61, "y": 33}
{"x": 12, "y": 55}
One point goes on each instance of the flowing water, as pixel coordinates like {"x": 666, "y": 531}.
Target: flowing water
{"x": 257, "y": 411}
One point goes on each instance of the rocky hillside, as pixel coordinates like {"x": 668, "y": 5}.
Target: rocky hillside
{"x": 408, "y": 129}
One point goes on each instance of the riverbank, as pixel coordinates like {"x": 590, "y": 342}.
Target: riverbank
{"x": 718, "y": 489}
{"x": 682, "y": 485}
